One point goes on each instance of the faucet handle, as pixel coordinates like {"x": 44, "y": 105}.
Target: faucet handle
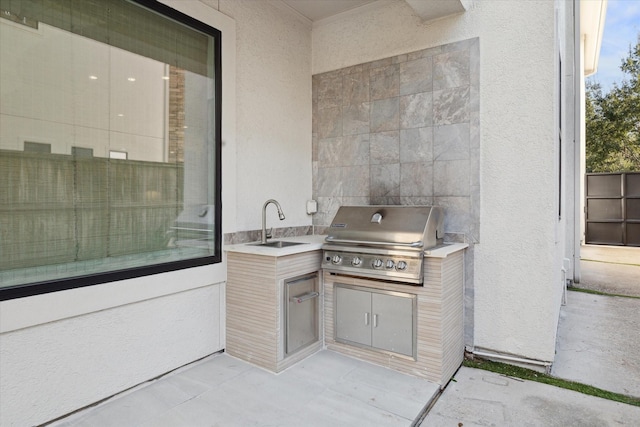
{"x": 269, "y": 233}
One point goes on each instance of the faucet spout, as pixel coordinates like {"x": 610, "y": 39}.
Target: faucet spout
{"x": 266, "y": 235}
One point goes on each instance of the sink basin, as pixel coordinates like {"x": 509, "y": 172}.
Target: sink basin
{"x": 277, "y": 244}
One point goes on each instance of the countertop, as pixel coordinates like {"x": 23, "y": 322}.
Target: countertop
{"x": 445, "y": 250}
{"x": 311, "y": 243}
{"x": 315, "y": 242}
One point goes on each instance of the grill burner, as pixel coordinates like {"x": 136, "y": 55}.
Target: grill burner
{"x": 384, "y": 242}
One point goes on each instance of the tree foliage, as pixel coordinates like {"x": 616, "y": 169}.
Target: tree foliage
{"x": 613, "y": 121}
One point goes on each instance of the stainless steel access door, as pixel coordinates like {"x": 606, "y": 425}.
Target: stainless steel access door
{"x": 301, "y": 317}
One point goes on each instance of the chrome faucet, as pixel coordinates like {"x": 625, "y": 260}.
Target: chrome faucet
{"x": 266, "y": 235}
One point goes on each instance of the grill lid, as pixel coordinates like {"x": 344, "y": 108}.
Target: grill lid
{"x": 419, "y": 227}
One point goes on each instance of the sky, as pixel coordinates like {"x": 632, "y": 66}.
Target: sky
{"x": 621, "y": 29}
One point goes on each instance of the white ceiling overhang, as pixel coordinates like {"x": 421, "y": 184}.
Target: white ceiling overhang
{"x": 592, "y": 15}
{"x": 317, "y": 10}
{"x": 429, "y": 10}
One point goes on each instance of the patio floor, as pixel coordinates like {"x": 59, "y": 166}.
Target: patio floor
{"x": 326, "y": 389}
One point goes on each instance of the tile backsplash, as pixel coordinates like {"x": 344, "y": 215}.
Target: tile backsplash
{"x": 401, "y": 131}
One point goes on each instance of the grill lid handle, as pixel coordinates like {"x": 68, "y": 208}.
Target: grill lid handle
{"x": 417, "y": 244}
{"x": 376, "y": 217}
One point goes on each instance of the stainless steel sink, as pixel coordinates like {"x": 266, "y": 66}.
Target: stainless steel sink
{"x": 278, "y": 244}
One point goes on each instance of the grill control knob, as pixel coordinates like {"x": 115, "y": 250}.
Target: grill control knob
{"x": 390, "y": 264}
{"x": 336, "y": 259}
{"x": 377, "y": 263}
{"x": 356, "y": 261}
{"x": 402, "y": 265}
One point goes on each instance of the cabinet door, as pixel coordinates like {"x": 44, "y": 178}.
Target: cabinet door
{"x": 392, "y": 322}
{"x": 353, "y": 315}
{"x": 301, "y": 315}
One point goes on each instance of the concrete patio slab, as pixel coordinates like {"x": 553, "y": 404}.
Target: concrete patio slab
{"x": 610, "y": 269}
{"x": 482, "y": 398}
{"x": 326, "y": 389}
{"x": 599, "y": 343}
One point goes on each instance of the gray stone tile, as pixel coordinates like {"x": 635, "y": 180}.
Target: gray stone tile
{"x": 330, "y": 182}
{"x": 469, "y": 294}
{"x": 315, "y": 83}
{"x": 400, "y": 58}
{"x": 314, "y": 184}
{"x": 355, "y": 88}
{"x": 329, "y": 91}
{"x": 380, "y": 63}
{"x": 385, "y": 180}
{"x": 451, "y": 178}
{"x": 343, "y": 151}
{"x": 355, "y": 150}
{"x": 416, "y": 179}
{"x": 416, "y": 201}
{"x": 416, "y": 110}
{"x": 451, "y": 142}
{"x": 329, "y": 152}
{"x": 384, "y": 82}
{"x": 457, "y": 212}
{"x": 314, "y": 117}
{"x": 386, "y": 200}
{"x": 327, "y": 208}
{"x": 416, "y": 76}
{"x": 416, "y": 145}
{"x": 355, "y": 119}
{"x": 355, "y": 180}
{"x": 314, "y": 147}
{"x": 385, "y": 115}
{"x": 457, "y": 46}
{"x": 384, "y": 147}
{"x": 474, "y": 148}
{"x": 356, "y": 201}
{"x": 474, "y": 62}
{"x": 424, "y": 53}
{"x": 451, "y": 106}
{"x": 451, "y": 70}
{"x": 329, "y": 123}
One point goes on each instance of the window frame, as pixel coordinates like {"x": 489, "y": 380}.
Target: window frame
{"x": 55, "y": 285}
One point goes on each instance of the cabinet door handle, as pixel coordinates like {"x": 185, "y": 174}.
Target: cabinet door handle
{"x": 375, "y": 320}
{"x": 366, "y": 319}
{"x": 305, "y": 297}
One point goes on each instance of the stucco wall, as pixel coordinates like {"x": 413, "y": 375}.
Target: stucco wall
{"x": 58, "y": 367}
{"x": 274, "y": 113}
{"x": 516, "y": 269}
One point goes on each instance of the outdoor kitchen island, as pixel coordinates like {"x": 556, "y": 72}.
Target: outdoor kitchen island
{"x": 256, "y": 300}
{"x": 436, "y": 319}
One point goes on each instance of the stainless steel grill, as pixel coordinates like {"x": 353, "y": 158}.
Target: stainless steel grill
{"x": 384, "y": 242}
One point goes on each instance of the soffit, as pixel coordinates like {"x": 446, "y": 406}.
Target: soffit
{"x": 316, "y": 10}
{"x": 592, "y": 16}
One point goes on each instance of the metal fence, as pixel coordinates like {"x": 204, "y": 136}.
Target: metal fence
{"x": 612, "y": 209}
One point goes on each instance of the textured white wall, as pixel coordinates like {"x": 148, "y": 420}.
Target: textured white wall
{"x": 274, "y": 113}
{"x": 516, "y": 262}
{"x": 58, "y": 367}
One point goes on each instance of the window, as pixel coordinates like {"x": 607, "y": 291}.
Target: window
{"x": 129, "y": 104}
